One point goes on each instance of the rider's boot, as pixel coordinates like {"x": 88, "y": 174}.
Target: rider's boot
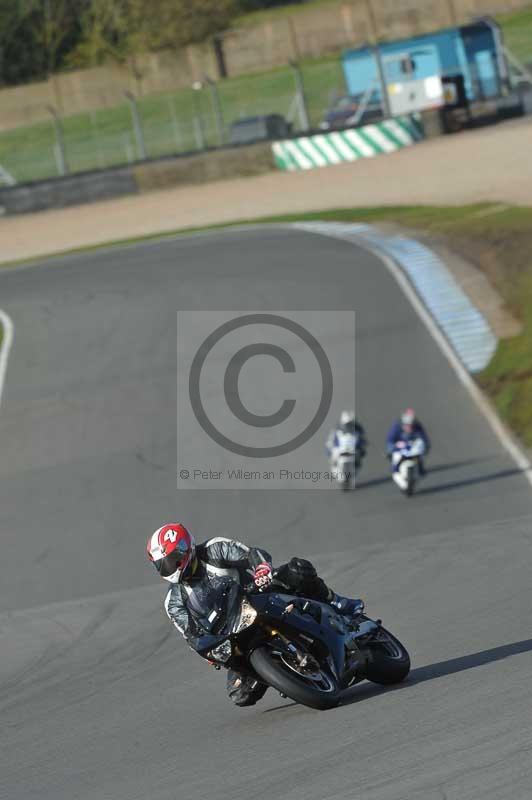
{"x": 243, "y": 689}
{"x": 346, "y": 606}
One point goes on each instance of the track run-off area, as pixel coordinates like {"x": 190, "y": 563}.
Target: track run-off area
{"x": 99, "y": 697}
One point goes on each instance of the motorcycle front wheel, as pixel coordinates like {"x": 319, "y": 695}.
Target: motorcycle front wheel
{"x": 390, "y": 662}
{"x": 306, "y": 683}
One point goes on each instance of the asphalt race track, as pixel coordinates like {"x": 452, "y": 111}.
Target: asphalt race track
{"x": 99, "y": 699}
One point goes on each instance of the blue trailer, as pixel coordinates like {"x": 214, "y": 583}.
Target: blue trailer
{"x": 471, "y": 54}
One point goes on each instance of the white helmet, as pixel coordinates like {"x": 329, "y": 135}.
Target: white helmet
{"x": 408, "y": 417}
{"x": 346, "y": 417}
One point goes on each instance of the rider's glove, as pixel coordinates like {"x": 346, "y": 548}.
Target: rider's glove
{"x": 262, "y": 576}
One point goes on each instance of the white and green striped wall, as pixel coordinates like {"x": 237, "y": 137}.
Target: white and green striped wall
{"x": 322, "y": 150}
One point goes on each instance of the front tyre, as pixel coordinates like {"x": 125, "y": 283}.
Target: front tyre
{"x": 312, "y": 688}
{"x": 410, "y": 481}
{"x": 390, "y": 662}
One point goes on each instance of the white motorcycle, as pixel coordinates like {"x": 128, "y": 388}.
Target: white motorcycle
{"x": 405, "y": 461}
{"x": 346, "y": 459}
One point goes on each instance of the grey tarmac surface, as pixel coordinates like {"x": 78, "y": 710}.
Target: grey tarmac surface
{"x": 98, "y": 696}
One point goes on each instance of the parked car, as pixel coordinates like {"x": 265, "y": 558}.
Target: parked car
{"x": 257, "y": 129}
{"x": 346, "y": 111}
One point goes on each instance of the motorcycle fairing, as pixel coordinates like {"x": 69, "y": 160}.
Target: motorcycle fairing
{"x": 304, "y": 624}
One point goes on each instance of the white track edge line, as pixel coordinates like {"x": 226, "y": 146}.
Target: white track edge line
{"x": 7, "y": 341}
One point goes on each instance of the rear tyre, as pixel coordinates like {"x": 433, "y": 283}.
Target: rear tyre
{"x": 390, "y": 660}
{"x": 276, "y": 673}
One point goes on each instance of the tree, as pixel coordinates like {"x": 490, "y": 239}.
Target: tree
{"x": 123, "y": 29}
{"x": 55, "y": 25}
{"x": 36, "y": 35}
{"x": 116, "y": 29}
{"x": 13, "y": 69}
{"x": 256, "y": 5}
{"x": 192, "y": 21}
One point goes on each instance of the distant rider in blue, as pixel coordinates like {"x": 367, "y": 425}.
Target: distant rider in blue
{"x": 406, "y": 429}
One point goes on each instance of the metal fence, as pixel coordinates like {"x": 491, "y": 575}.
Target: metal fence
{"x": 184, "y": 121}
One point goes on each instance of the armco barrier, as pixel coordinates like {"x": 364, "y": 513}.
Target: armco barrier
{"x": 322, "y": 150}
{"x": 229, "y": 162}
{"x": 67, "y": 191}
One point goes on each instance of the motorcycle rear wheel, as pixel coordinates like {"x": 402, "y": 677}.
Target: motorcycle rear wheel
{"x": 276, "y": 673}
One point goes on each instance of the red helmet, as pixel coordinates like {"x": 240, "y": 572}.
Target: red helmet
{"x": 171, "y": 549}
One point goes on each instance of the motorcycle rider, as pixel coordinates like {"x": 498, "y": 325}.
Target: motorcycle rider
{"x": 347, "y": 424}
{"x": 192, "y": 568}
{"x": 406, "y": 429}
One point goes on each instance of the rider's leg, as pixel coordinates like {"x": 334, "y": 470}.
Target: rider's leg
{"x": 300, "y": 577}
{"x": 396, "y": 460}
{"x": 243, "y": 689}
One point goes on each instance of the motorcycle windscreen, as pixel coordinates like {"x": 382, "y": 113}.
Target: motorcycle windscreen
{"x": 214, "y": 604}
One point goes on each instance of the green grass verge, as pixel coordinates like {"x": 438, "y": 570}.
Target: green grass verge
{"x": 517, "y": 31}
{"x": 498, "y": 239}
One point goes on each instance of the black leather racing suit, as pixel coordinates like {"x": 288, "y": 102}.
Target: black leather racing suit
{"x": 226, "y": 557}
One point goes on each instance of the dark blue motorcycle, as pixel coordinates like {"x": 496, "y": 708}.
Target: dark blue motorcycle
{"x": 302, "y": 648}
